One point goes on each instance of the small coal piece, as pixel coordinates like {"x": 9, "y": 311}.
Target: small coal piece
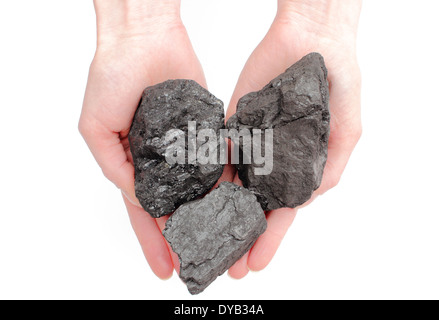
{"x": 209, "y": 235}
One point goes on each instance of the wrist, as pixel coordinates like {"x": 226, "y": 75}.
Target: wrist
{"x": 334, "y": 16}
{"x": 125, "y": 18}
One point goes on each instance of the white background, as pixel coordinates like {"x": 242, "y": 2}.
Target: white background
{"x": 64, "y": 231}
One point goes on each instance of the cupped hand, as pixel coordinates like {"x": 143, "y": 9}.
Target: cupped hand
{"x": 301, "y": 27}
{"x": 133, "y": 52}
{"x": 136, "y": 50}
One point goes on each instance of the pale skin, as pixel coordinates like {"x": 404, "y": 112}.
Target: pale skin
{"x": 144, "y": 42}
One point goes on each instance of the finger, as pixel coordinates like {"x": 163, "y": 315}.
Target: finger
{"x": 239, "y": 270}
{"x": 151, "y": 240}
{"x": 109, "y": 153}
{"x": 174, "y": 257}
{"x": 278, "y": 222}
{"x": 345, "y": 130}
{"x": 338, "y": 156}
{"x": 340, "y": 147}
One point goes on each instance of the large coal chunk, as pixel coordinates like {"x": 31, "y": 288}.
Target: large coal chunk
{"x": 211, "y": 234}
{"x": 162, "y": 187}
{"x": 296, "y": 106}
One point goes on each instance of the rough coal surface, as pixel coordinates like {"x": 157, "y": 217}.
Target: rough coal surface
{"x": 296, "y": 106}
{"x": 211, "y": 234}
{"x": 160, "y": 187}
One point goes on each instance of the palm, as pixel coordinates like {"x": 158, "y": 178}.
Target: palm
{"x": 284, "y": 45}
{"x": 122, "y": 69}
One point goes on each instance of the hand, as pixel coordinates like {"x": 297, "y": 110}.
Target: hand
{"x": 140, "y": 43}
{"x": 300, "y": 27}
